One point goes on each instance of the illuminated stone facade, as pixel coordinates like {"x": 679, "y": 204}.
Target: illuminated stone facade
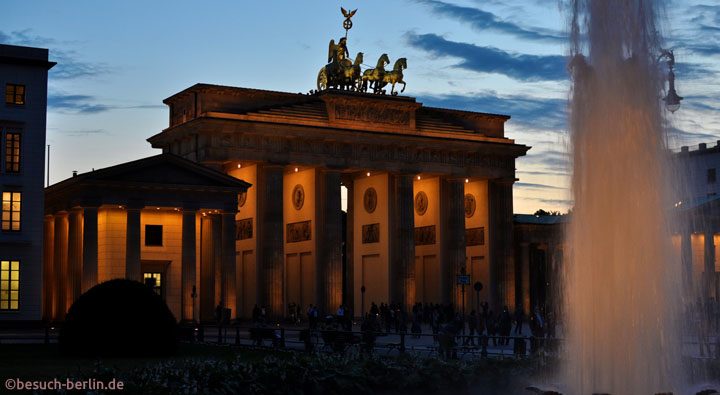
{"x": 161, "y": 217}
{"x": 429, "y": 195}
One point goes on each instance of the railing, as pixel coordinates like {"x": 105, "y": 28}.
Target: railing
{"x": 357, "y": 342}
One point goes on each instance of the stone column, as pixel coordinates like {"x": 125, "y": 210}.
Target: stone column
{"x": 229, "y": 291}
{"x": 74, "y": 273}
{"x": 90, "y": 248}
{"x": 402, "y": 239}
{"x": 49, "y": 292}
{"x": 208, "y": 275}
{"x": 217, "y": 259}
{"x": 270, "y": 240}
{"x": 524, "y": 284}
{"x": 500, "y": 237}
{"x": 686, "y": 262}
{"x": 132, "y": 245}
{"x": 189, "y": 263}
{"x": 328, "y": 239}
{"x": 60, "y": 263}
{"x": 709, "y": 277}
{"x": 349, "y": 288}
{"x": 452, "y": 249}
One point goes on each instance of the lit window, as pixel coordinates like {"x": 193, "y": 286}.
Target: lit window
{"x": 153, "y": 280}
{"x": 153, "y": 235}
{"x": 12, "y": 152}
{"x": 11, "y": 211}
{"x": 15, "y": 94}
{"x": 9, "y": 285}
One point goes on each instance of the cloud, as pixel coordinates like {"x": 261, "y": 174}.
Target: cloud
{"x": 522, "y": 67}
{"x": 552, "y": 160}
{"x": 529, "y": 185}
{"x": 535, "y": 112}
{"x": 482, "y": 20}
{"x": 558, "y": 202}
{"x": 69, "y": 65}
{"x": 684, "y": 136}
{"x": 82, "y": 133}
{"x": 75, "y": 103}
{"x": 87, "y": 104}
{"x": 543, "y": 173}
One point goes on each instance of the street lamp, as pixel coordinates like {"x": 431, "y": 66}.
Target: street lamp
{"x": 672, "y": 99}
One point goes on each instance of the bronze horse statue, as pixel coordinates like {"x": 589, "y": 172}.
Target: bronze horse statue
{"x": 395, "y": 76}
{"x": 352, "y": 77}
{"x": 375, "y": 76}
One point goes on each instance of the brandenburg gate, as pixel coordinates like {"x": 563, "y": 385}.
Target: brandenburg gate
{"x": 429, "y": 195}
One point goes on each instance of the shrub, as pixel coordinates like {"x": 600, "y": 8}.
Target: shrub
{"x": 119, "y": 318}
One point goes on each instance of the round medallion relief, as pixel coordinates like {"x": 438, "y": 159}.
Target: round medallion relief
{"x": 370, "y": 200}
{"x": 242, "y": 198}
{"x": 469, "y": 205}
{"x": 421, "y": 203}
{"x": 298, "y": 197}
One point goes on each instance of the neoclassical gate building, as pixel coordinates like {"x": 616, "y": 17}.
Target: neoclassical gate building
{"x": 428, "y": 196}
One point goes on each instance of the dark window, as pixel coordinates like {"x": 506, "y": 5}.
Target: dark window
{"x": 153, "y": 235}
{"x": 12, "y": 152}
{"x": 15, "y": 94}
{"x": 711, "y": 176}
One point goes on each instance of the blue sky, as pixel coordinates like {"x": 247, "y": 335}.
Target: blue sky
{"x": 117, "y": 61}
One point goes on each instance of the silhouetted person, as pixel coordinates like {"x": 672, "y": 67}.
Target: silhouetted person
{"x": 256, "y": 313}
{"x": 518, "y": 320}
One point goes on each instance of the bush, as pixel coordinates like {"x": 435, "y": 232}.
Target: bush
{"x": 119, "y": 318}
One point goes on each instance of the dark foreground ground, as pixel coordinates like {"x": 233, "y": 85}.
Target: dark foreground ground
{"x": 222, "y": 369}
{"x": 208, "y": 368}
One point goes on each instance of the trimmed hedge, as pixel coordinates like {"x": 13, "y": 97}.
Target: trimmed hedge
{"x": 119, "y": 318}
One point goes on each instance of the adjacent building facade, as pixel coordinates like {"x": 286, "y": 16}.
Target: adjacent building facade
{"x": 23, "y": 78}
{"x": 162, "y": 220}
{"x": 429, "y": 195}
{"x": 539, "y": 249}
{"x": 697, "y": 206}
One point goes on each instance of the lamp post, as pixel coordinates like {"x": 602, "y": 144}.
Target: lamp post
{"x": 672, "y": 99}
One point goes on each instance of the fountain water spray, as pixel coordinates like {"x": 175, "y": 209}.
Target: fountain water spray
{"x": 622, "y": 282}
